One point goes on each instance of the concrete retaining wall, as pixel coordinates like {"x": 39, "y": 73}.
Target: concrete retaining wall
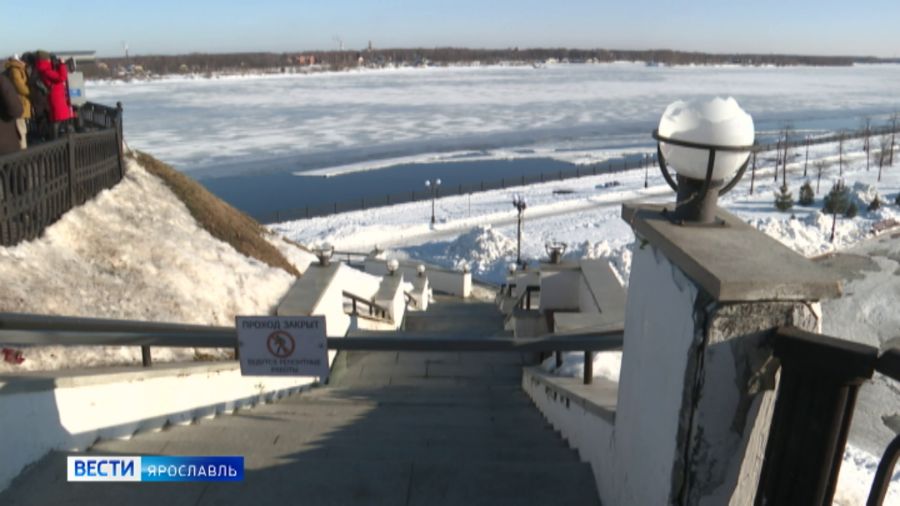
{"x": 70, "y": 410}
{"x": 588, "y": 426}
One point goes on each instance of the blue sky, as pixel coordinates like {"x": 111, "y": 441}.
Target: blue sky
{"x": 168, "y": 26}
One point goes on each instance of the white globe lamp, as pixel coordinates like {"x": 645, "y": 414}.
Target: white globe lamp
{"x": 707, "y": 143}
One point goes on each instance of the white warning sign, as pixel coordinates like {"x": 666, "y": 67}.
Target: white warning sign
{"x": 282, "y": 345}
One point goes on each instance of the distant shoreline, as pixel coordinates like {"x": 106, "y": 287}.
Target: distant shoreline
{"x": 323, "y": 61}
{"x": 244, "y": 73}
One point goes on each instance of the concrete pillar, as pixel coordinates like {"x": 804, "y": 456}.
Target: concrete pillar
{"x": 696, "y": 389}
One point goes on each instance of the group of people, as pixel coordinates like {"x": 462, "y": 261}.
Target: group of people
{"x": 34, "y": 100}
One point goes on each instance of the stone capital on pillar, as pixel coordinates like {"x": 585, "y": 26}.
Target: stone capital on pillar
{"x": 696, "y": 388}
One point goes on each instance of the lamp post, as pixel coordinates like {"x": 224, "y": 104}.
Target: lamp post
{"x": 434, "y": 186}
{"x": 392, "y": 266}
{"x": 520, "y": 204}
{"x": 646, "y": 169}
{"x": 555, "y": 251}
{"x": 706, "y": 143}
{"x": 324, "y": 253}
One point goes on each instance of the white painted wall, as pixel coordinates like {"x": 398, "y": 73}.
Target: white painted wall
{"x": 659, "y": 331}
{"x": 559, "y": 289}
{"x": 450, "y": 282}
{"x": 78, "y": 410}
{"x": 585, "y": 431}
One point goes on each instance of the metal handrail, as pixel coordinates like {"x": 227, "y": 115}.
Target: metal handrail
{"x": 888, "y": 364}
{"x": 40, "y": 330}
{"x": 819, "y": 381}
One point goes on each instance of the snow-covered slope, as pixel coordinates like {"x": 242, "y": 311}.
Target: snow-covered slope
{"x": 135, "y": 252}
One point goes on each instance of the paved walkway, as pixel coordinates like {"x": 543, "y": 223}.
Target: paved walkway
{"x": 391, "y": 429}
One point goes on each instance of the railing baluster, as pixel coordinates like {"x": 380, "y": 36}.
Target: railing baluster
{"x": 588, "y": 367}
{"x": 146, "y": 359}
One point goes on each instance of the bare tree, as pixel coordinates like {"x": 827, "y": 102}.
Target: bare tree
{"x": 821, "y": 165}
{"x": 885, "y": 145}
{"x": 894, "y": 119}
{"x": 777, "y": 157}
{"x": 867, "y": 138}
{"x": 752, "y": 172}
{"x": 785, "y": 147}
{"x": 841, "y": 137}
{"x": 806, "y": 160}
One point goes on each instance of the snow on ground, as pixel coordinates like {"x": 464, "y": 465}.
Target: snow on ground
{"x": 480, "y": 231}
{"x": 133, "y": 252}
{"x": 585, "y": 213}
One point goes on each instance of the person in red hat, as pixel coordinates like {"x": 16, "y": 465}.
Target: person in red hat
{"x": 55, "y": 75}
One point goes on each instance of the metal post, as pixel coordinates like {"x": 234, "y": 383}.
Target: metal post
{"x": 237, "y": 352}
{"x": 753, "y": 173}
{"x": 120, "y": 139}
{"x": 588, "y": 367}
{"x": 146, "y": 359}
{"x": 559, "y": 359}
{"x": 882, "y": 480}
{"x": 70, "y": 145}
{"x": 432, "y": 204}
{"x": 519, "y": 239}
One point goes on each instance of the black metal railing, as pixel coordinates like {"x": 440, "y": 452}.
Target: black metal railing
{"x": 372, "y": 309}
{"x": 606, "y": 167}
{"x": 816, "y": 399}
{"x": 38, "y": 185}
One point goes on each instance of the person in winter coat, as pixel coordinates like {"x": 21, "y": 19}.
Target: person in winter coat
{"x": 10, "y": 111}
{"x": 55, "y": 76}
{"x": 39, "y": 125}
{"x": 15, "y": 70}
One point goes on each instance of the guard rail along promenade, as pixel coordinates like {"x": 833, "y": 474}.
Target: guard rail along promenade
{"x": 605, "y": 167}
{"x": 38, "y": 185}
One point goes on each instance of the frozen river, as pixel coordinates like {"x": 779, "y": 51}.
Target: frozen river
{"x": 287, "y": 123}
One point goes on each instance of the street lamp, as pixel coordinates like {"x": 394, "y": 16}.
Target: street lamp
{"x": 555, "y": 250}
{"x": 706, "y": 143}
{"x": 324, "y": 253}
{"x": 646, "y": 169}
{"x": 434, "y": 186}
{"x": 520, "y": 204}
{"x": 392, "y": 266}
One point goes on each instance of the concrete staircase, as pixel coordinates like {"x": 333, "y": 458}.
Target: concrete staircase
{"x": 402, "y": 428}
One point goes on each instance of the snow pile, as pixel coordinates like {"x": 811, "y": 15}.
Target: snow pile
{"x": 133, "y": 252}
{"x": 607, "y": 365}
{"x": 810, "y": 235}
{"x": 619, "y": 257}
{"x": 483, "y": 249}
{"x": 855, "y": 479}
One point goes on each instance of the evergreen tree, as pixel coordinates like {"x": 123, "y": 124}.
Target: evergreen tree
{"x": 784, "y": 199}
{"x": 852, "y": 210}
{"x": 897, "y": 199}
{"x": 875, "y": 204}
{"x": 837, "y": 200}
{"x": 807, "y": 196}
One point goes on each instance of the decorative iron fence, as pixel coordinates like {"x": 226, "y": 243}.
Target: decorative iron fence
{"x": 606, "y": 167}
{"x": 38, "y": 185}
